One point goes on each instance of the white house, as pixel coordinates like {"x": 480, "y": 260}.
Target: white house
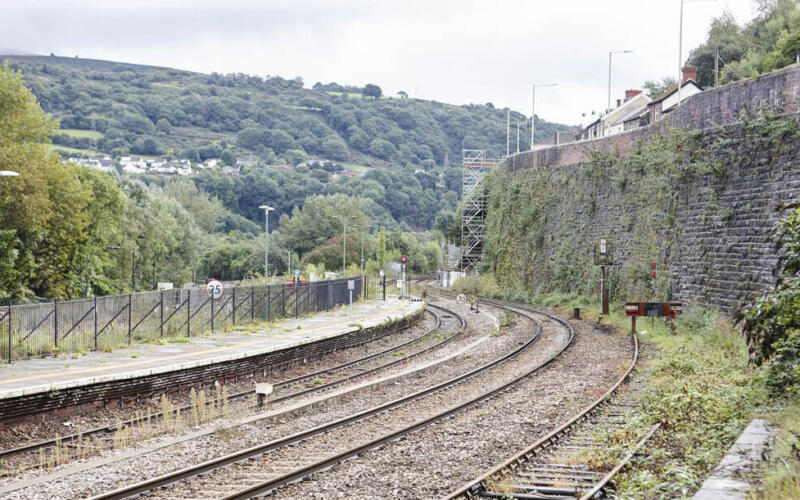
{"x": 668, "y": 101}
{"x": 130, "y": 168}
{"x": 613, "y": 122}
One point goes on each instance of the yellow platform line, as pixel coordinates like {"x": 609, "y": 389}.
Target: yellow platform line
{"x": 129, "y": 364}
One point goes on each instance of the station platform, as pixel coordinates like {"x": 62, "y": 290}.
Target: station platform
{"x": 67, "y": 372}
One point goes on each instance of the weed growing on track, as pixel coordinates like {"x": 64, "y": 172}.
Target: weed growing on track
{"x": 701, "y": 388}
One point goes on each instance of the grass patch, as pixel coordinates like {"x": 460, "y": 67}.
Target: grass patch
{"x": 74, "y": 132}
{"x": 55, "y": 148}
{"x": 179, "y": 340}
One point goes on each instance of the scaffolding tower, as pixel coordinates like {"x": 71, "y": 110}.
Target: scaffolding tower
{"x": 474, "y": 167}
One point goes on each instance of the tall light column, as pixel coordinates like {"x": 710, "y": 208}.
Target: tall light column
{"x": 608, "y": 106}
{"x": 267, "y": 210}
{"x": 344, "y": 244}
{"x": 533, "y": 107}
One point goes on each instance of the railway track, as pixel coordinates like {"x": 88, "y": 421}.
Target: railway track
{"x": 316, "y": 382}
{"x": 261, "y": 469}
{"x": 564, "y": 463}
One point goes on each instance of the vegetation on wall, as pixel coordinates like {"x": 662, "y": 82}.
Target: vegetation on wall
{"x": 772, "y": 321}
{"x": 538, "y": 218}
{"x": 530, "y": 247}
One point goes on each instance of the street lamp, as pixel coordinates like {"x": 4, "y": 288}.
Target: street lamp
{"x": 608, "y": 107}
{"x": 533, "y": 107}
{"x": 344, "y": 244}
{"x": 266, "y": 210}
{"x": 680, "y": 48}
{"x": 362, "y": 246}
{"x": 289, "y": 262}
{"x": 133, "y": 262}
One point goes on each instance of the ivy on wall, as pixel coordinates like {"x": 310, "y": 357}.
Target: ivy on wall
{"x": 544, "y": 222}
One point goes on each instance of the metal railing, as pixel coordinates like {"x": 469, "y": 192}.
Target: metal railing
{"x": 104, "y": 323}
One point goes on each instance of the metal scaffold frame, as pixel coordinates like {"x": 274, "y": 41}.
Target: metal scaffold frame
{"x": 474, "y": 167}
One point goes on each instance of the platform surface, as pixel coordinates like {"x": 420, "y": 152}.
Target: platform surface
{"x": 728, "y": 481}
{"x": 52, "y": 374}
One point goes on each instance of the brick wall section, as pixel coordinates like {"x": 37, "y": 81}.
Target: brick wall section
{"x": 77, "y": 399}
{"x": 779, "y": 92}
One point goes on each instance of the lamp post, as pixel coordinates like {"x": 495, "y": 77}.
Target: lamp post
{"x": 344, "y": 244}
{"x": 362, "y": 247}
{"x": 608, "y": 106}
{"x": 267, "y": 210}
{"x": 289, "y": 262}
{"x": 133, "y": 262}
{"x": 533, "y": 107}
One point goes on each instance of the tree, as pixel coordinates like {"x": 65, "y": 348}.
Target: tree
{"x": 228, "y": 158}
{"x": 403, "y": 94}
{"x": 382, "y": 149}
{"x": 654, "y": 88}
{"x": 164, "y": 126}
{"x": 295, "y": 156}
{"x": 372, "y": 90}
{"x": 334, "y": 148}
{"x": 146, "y": 146}
{"x": 319, "y": 219}
{"x": 44, "y": 213}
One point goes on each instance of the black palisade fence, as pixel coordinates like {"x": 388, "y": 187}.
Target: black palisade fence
{"x": 103, "y": 323}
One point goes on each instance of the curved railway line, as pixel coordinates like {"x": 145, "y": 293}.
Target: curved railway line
{"x": 555, "y": 466}
{"x": 351, "y": 373}
{"x": 253, "y": 472}
{"x": 552, "y": 467}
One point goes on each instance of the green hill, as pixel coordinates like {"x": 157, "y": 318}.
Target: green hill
{"x": 152, "y": 110}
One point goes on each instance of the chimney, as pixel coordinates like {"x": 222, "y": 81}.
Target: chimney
{"x": 631, "y": 93}
{"x": 689, "y": 72}
{"x": 619, "y": 102}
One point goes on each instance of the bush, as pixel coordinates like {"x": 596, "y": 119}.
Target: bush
{"x": 783, "y": 374}
{"x": 772, "y": 321}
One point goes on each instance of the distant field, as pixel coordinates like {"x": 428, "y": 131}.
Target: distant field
{"x": 74, "y": 132}
{"x": 353, "y": 95}
{"x": 71, "y": 151}
{"x": 358, "y": 168}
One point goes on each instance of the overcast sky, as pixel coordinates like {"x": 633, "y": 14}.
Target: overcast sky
{"x": 456, "y": 51}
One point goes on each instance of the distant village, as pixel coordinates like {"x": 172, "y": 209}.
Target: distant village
{"x": 162, "y": 166}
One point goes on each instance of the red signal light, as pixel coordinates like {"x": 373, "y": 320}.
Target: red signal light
{"x": 403, "y": 259}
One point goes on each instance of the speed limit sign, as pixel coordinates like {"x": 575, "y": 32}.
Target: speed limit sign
{"x": 461, "y": 298}
{"x": 214, "y": 289}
